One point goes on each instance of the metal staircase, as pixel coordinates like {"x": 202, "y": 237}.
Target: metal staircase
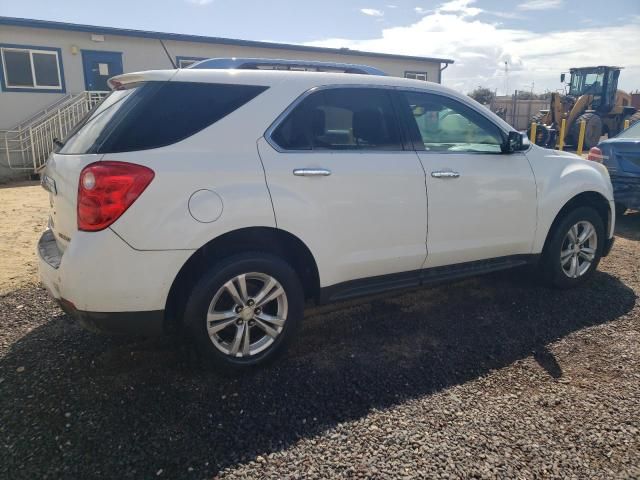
{"x": 28, "y": 145}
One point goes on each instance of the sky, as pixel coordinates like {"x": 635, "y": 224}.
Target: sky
{"x": 538, "y": 39}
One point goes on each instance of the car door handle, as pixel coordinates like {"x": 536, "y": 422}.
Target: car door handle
{"x": 311, "y": 172}
{"x": 445, "y": 174}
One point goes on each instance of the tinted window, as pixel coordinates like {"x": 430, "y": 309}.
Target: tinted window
{"x": 341, "y": 119}
{"x": 45, "y": 66}
{"x": 446, "y": 125}
{"x": 18, "y": 68}
{"x": 156, "y": 114}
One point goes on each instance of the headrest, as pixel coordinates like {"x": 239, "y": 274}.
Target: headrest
{"x": 368, "y": 125}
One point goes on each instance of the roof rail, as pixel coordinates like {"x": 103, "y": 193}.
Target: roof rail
{"x": 281, "y": 64}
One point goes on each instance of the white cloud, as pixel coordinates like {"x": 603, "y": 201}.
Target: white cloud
{"x": 372, "y": 12}
{"x": 200, "y": 3}
{"x": 481, "y": 48}
{"x": 392, "y": 6}
{"x": 460, "y": 6}
{"x": 540, "y": 4}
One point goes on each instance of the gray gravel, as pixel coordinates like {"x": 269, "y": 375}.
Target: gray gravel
{"x": 490, "y": 377}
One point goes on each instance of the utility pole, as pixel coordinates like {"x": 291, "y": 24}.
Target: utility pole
{"x": 506, "y": 78}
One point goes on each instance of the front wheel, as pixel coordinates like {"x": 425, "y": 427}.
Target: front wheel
{"x": 574, "y": 248}
{"x": 245, "y": 310}
{"x": 592, "y": 131}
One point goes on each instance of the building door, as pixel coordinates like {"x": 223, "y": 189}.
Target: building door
{"x": 99, "y": 67}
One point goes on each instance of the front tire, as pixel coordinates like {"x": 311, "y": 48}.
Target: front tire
{"x": 592, "y": 131}
{"x": 244, "y": 311}
{"x": 573, "y": 249}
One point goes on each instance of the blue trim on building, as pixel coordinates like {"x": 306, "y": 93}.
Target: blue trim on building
{"x": 3, "y": 83}
{"x": 32, "y": 23}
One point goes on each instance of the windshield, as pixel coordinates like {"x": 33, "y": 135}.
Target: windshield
{"x": 586, "y": 83}
{"x": 632, "y": 132}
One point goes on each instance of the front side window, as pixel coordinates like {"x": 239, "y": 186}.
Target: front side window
{"x": 446, "y": 125}
{"x": 25, "y": 69}
{"x": 341, "y": 119}
{"x": 586, "y": 83}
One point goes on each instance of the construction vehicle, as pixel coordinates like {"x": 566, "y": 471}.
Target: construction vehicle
{"x": 592, "y": 97}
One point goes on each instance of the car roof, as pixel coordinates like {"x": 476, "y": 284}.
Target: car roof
{"x": 272, "y": 78}
{"x": 284, "y": 64}
{"x": 300, "y": 81}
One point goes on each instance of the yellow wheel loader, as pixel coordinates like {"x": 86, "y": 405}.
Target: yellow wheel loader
{"x": 594, "y": 97}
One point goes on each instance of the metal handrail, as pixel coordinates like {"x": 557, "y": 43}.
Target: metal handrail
{"x": 28, "y": 145}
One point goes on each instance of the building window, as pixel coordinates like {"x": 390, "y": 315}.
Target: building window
{"x": 416, "y": 75}
{"x": 31, "y": 69}
{"x": 184, "y": 62}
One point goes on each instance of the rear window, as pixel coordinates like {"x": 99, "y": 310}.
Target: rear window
{"x": 155, "y": 114}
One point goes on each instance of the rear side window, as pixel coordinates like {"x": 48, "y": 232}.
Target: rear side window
{"x": 341, "y": 119}
{"x": 155, "y": 114}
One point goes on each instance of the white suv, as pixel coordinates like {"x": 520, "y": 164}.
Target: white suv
{"x": 224, "y": 201}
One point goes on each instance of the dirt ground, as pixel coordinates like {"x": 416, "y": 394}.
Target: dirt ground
{"x": 490, "y": 377}
{"x": 23, "y": 216}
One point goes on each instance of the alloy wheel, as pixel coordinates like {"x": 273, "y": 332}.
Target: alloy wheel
{"x": 578, "y": 249}
{"x": 247, "y": 314}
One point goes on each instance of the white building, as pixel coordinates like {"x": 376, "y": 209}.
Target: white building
{"x": 46, "y": 65}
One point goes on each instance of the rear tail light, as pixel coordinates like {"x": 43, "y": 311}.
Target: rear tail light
{"x": 106, "y": 190}
{"x": 595, "y": 155}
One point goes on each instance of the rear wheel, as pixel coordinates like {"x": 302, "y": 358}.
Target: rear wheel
{"x": 245, "y": 310}
{"x": 573, "y": 250}
{"x": 592, "y": 132}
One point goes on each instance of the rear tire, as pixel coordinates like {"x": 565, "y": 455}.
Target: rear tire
{"x": 244, "y": 311}
{"x": 592, "y": 131}
{"x": 573, "y": 249}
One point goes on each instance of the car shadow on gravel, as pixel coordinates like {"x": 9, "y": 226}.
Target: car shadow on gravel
{"x": 78, "y": 405}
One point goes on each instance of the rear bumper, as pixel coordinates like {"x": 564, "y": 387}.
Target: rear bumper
{"x": 117, "y": 323}
{"x": 106, "y": 285}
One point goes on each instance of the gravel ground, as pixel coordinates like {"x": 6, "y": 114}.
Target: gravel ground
{"x": 490, "y": 377}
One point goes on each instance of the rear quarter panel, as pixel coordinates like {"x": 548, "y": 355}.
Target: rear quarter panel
{"x": 222, "y": 158}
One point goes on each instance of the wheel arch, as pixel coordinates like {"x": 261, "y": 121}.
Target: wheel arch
{"x": 252, "y": 239}
{"x": 584, "y": 199}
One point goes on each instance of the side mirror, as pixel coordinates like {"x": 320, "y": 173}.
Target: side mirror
{"x": 562, "y": 77}
{"x": 514, "y": 142}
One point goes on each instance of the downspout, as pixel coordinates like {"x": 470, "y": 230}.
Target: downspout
{"x": 440, "y": 72}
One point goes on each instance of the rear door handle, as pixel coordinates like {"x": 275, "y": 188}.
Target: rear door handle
{"x": 311, "y": 172}
{"x": 445, "y": 174}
